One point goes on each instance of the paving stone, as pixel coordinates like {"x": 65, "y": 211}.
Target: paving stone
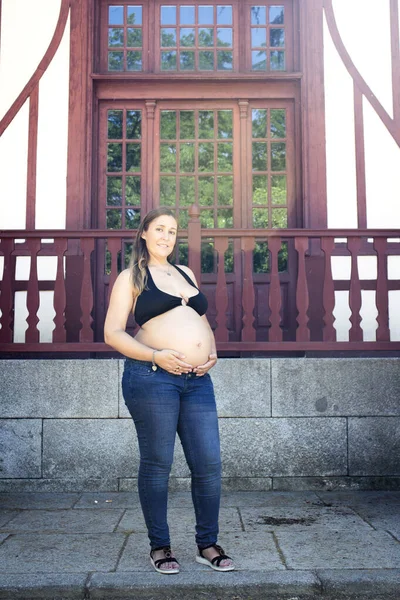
{"x": 109, "y": 500}
{"x": 88, "y": 448}
{"x": 335, "y": 386}
{"x": 382, "y": 516}
{"x": 59, "y": 388}
{"x": 269, "y": 499}
{"x": 180, "y": 520}
{"x": 43, "y": 586}
{"x": 67, "y": 521}
{"x": 357, "y": 583}
{"x": 374, "y": 446}
{"x": 6, "y": 516}
{"x": 20, "y": 447}
{"x": 60, "y": 553}
{"x": 3, "y": 536}
{"x": 361, "y": 498}
{"x": 247, "y": 484}
{"x": 341, "y": 549}
{"x": 302, "y": 446}
{"x": 335, "y": 483}
{"x": 38, "y": 500}
{"x": 59, "y": 485}
{"x": 307, "y": 517}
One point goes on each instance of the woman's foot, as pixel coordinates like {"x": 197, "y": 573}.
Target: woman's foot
{"x": 164, "y": 561}
{"x": 215, "y": 557}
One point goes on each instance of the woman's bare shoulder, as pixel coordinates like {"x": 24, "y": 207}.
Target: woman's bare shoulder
{"x": 188, "y": 271}
{"x": 124, "y": 281}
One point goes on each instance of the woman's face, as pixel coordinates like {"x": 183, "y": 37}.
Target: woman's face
{"x": 160, "y": 236}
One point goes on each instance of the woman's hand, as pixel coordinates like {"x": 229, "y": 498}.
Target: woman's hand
{"x": 172, "y": 361}
{"x": 203, "y": 369}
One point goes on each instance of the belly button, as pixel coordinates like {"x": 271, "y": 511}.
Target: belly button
{"x": 199, "y": 344}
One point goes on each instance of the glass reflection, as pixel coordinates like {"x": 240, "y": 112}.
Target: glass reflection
{"x": 278, "y": 123}
{"x": 225, "y": 61}
{"x": 260, "y": 218}
{"x": 260, "y": 156}
{"x": 132, "y": 191}
{"x": 206, "y": 191}
{"x": 279, "y": 189}
{"x": 114, "y": 118}
{"x": 168, "y": 15}
{"x": 114, "y": 157}
{"x": 224, "y": 15}
{"x": 133, "y": 156}
{"x": 114, "y": 191}
{"x": 134, "y": 39}
{"x": 224, "y": 37}
{"x": 134, "y": 61}
{"x": 206, "y": 61}
{"x": 186, "y": 15}
{"x": 277, "y": 60}
{"x": 279, "y": 218}
{"x": 186, "y": 191}
{"x": 206, "y": 37}
{"x": 132, "y": 218}
{"x": 206, "y": 124}
{"x": 168, "y": 37}
{"x": 133, "y": 124}
{"x": 134, "y": 15}
{"x": 168, "y": 158}
{"x": 187, "y": 38}
{"x": 225, "y": 157}
{"x": 258, "y": 37}
{"x": 276, "y": 15}
{"x": 115, "y": 37}
{"x": 114, "y": 219}
{"x": 168, "y": 61}
{"x": 277, "y": 38}
{"x": 207, "y": 219}
{"x": 225, "y": 125}
{"x": 225, "y": 190}
{"x": 206, "y": 15}
{"x": 206, "y": 157}
{"x": 225, "y": 218}
{"x": 260, "y": 189}
{"x": 278, "y": 156}
{"x": 186, "y": 61}
{"x": 259, "y": 122}
{"x": 187, "y": 158}
{"x": 259, "y": 60}
{"x": 168, "y": 125}
{"x": 167, "y": 191}
{"x": 258, "y": 15}
{"x": 115, "y": 61}
{"x": 116, "y": 15}
{"x": 187, "y": 124}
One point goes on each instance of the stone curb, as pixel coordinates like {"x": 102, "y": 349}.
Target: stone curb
{"x": 283, "y": 585}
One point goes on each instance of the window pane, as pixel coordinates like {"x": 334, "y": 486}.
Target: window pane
{"x": 260, "y": 156}
{"x": 168, "y": 158}
{"x": 260, "y": 189}
{"x": 207, "y": 219}
{"x": 206, "y": 61}
{"x": 259, "y": 123}
{"x": 115, "y": 37}
{"x": 133, "y": 157}
{"x": 277, "y": 60}
{"x": 277, "y": 38}
{"x": 114, "y": 118}
{"x": 224, "y": 37}
{"x": 132, "y": 218}
{"x": 206, "y": 157}
{"x": 134, "y": 15}
{"x": 132, "y": 191}
{"x": 279, "y": 218}
{"x": 276, "y": 15}
{"x": 278, "y": 123}
{"x": 259, "y": 60}
{"x": 187, "y": 158}
{"x": 206, "y": 191}
{"x": 279, "y": 189}
{"x": 225, "y": 190}
{"x": 115, "y": 61}
{"x": 167, "y": 191}
{"x": 114, "y": 219}
{"x": 224, "y": 15}
{"x": 260, "y": 218}
{"x": 134, "y": 61}
{"x": 225, "y": 218}
{"x": 134, "y": 38}
{"x": 206, "y": 124}
{"x": 168, "y": 38}
{"x": 187, "y": 37}
{"x": 114, "y": 191}
{"x": 133, "y": 124}
{"x": 187, "y": 124}
{"x": 186, "y": 192}
{"x": 116, "y": 15}
{"x": 206, "y": 37}
{"x": 225, "y": 128}
{"x": 278, "y": 157}
{"x": 187, "y": 61}
{"x": 225, "y": 157}
{"x": 258, "y": 15}
{"x": 114, "y": 157}
{"x": 225, "y": 61}
{"x": 168, "y": 125}
{"x": 206, "y": 15}
{"x": 168, "y": 15}
{"x": 187, "y": 15}
{"x": 168, "y": 61}
{"x": 258, "y": 37}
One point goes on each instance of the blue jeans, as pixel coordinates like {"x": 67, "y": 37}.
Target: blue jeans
{"x": 161, "y": 405}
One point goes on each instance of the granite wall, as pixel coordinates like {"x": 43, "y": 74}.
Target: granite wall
{"x": 285, "y": 424}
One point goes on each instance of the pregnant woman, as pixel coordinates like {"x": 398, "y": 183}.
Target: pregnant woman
{"x": 167, "y": 387}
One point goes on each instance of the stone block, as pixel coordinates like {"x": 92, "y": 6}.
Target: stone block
{"x": 20, "y": 448}
{"x": 59, "y": 485}
{"x": 372, "y": 584}
{"x": 42, "y": 501}
{"x": 335, "y": 483}
{"x": 43, "y": 586}
{"x": 105, "y": 500}
{"x": 59, "y": 388}
{"x": 65, "y": 521}
{"x": 247, "y": 484}
{"x": 291, "y": 447}
{"x": 374, "y": 446}
{"x": 335, "y": 386}
{"x": 89, "y": 448}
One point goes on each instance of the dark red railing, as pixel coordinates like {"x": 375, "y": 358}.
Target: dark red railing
{"x": 80, "y": 287}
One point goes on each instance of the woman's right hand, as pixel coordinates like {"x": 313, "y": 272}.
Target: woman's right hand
{"x": 172, "y": 361}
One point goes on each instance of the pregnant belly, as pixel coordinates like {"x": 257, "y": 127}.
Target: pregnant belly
{"x": 180, "y": 329}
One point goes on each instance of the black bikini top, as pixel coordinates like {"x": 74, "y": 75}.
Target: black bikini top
{"x": 153, "y": 301}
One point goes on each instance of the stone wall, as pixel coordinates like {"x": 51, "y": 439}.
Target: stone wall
{"x": 285, "y": 424}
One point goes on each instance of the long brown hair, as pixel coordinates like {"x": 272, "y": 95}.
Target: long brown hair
{"x": 140, "y": 255}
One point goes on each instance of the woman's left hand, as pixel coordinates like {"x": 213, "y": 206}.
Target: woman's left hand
{"x": 203, "y": 369}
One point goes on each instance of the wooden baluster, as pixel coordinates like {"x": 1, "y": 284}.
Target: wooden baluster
{"x": 329, "y": 333}
{"x": 248, "y": 297}
{"x": 6, "y": 296}
{"x": 381, "y": 298}
{"x": 32, "y": 298}
{"x": 59, "y": 300}
{"x": 113, "y": 247}
{"x": 355, "y": 333}
{"x": 221, "y": 333}
{"x": 86, "y": 333}
{"x": 275, "y": 297}
{"x": 194, "y": 241}
{"x": 302, "y": 333}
